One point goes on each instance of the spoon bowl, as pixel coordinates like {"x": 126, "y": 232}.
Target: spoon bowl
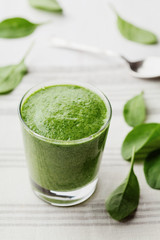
{"x": 145, "y": 68}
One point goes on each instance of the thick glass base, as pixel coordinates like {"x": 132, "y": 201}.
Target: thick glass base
{"x": 64, "y": 199}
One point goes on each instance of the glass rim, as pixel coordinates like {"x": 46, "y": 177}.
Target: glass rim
{"x": 54, "y": 83}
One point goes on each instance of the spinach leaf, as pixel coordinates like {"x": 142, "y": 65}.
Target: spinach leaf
{"x": 124, "y": 199}
{"x": 152, "y": 169}
{"x": 46, "y": 5}
{"x": 11, "y": 76}
{"x": 134, "y": 111}
{"x": 16, "y": 28}
{"x": 145, "y": 137}
{"x": 134, "y": 33}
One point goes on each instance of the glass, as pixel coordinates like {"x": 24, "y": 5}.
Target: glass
{"x": 64, "y": 173}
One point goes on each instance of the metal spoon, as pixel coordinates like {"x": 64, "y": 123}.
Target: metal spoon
{"x": 145, "y": 68}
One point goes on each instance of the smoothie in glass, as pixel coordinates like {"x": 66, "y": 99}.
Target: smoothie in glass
{"x": 65, "y": 126}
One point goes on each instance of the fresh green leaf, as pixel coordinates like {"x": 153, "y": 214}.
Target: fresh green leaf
{"x": 46, "y": 5}
{"x": 134, "y": 33}
{"x": 16, "y": 28}
{"x": 124, "y": 199}
{"x": 11, "y": 76}
{"x": 152, "y": 169}
{"x": 145, "y": 137}
{"x": 134, "y": 111}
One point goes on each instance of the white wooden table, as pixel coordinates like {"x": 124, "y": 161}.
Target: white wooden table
{"x": 22, "y": 214}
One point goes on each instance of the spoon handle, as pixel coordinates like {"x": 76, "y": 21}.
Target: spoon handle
{"x": 61, "y": 43}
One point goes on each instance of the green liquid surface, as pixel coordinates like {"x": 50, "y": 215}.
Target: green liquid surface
{"x": 64, "y": 112}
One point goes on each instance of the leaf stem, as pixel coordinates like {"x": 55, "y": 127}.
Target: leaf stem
{"x": 112, "y": 8}
{"x": 46, "y": 22}
{"x": 28, "y": 51}
{"x": 132, "y": 158}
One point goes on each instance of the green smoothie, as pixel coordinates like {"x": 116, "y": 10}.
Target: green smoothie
{"x": 64, "y": 133}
